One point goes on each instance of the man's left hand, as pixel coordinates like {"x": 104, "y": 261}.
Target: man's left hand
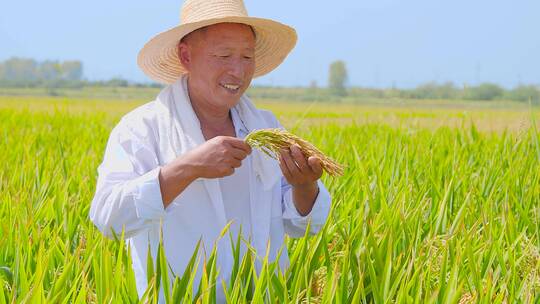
{"x": 302, "y": 174}
{"x": 297, "y": 169}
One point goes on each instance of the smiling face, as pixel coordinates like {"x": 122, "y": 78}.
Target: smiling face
{"x": 220, "y": 63}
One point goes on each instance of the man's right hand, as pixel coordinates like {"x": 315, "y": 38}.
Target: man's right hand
{"x": 217, "y": 157}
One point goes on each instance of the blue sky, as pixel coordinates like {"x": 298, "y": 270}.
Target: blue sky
{"x": 383, "y": 42}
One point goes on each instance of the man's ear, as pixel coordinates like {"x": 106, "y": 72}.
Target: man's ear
{"x": 184, "y": 54}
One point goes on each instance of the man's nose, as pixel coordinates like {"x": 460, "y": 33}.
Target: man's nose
{"x": 237, "y": 68}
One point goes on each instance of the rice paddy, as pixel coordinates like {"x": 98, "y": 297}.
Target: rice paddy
{"x": 437, "y": 204}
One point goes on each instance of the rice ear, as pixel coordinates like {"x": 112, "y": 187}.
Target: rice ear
{"x": 271, "y": 141}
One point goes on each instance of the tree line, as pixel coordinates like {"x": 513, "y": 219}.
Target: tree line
{"x": 439, "y": 91}
{"x": 29, "y": 73}
{"x": 337, "y": 80}
{"x": 24, "y": 72}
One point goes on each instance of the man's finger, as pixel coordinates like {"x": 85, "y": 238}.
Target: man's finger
{"x": 284, "y": 168}
{"x": 239, "y": 144}
{"x": 300, "y": 159}
{"x": 235, "y": 163}
{"x": 238, "y": 153}
{"x": 316, "y": 165}
{"x": 293, "y": 168}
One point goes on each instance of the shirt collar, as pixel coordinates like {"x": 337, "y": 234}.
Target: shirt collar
{"x": 239, "y": 125}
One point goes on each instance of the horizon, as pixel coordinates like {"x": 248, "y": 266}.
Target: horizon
{"x": 384, "y": 44}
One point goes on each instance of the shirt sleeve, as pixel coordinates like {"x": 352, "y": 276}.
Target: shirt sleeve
{"x": 296, "y": 224}
{"x": 128, "y": 195}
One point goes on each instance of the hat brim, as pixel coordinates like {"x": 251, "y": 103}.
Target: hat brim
{"x": 158, "y": 59}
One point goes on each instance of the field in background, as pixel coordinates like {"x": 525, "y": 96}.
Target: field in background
{"x": 485, "y": 116}
{"x": 430, "y": 209}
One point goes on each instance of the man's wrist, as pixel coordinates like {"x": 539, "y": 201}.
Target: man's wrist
{"x": 173, "y": 179}
{"x": 310, "y": 187}
{"x": 179, "y": 170}
{"x": 304, "y": 197}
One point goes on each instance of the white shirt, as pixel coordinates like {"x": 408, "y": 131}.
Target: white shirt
{"x": 128, "y": 197}
{"x": 235, "y": 195}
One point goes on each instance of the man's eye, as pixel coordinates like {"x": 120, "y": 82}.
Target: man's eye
{"x": 248, "y": 57}
{"x": 223, "y": 56}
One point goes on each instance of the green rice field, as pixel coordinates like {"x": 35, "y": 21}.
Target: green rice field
{"x": 439, "y": 203}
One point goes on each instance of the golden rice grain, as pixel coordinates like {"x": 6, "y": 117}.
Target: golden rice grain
{"x": 271, "y": 141}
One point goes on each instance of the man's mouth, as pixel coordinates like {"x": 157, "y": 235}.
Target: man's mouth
{"x": 232, "y": 88}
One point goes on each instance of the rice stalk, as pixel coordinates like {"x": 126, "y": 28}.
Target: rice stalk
{"x": 271, "y": 141}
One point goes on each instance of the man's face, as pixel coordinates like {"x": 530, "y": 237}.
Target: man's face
{"x": 220, "y": 63}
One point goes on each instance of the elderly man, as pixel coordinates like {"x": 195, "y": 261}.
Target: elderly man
{"x": 177, "y": 167}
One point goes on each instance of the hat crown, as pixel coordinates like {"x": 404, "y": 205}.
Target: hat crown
{"x": 199, "y": 10}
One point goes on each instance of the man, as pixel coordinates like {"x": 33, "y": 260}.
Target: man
{"x": 177, "y": 167}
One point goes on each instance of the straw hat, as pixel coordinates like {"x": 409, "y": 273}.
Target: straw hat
{"x": 159, "y": 60}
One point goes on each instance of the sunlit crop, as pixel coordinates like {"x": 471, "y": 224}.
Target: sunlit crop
{"x": 421, "y": 215}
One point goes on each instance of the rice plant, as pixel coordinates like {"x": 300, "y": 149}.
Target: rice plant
{"x": 420, "y": 215}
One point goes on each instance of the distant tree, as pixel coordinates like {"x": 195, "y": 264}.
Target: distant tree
{"x": 485, "y": 91}
{"x": 72, "y": 70}
{"x": 524, "y": 93}
{"x": 337, "y": 77}
{"x": 19, "y": 69}
{"x": 49, "y": 70}
{"x": 435, "y": 91}
{"x": 22, "y": 72}
{"x": 117, "y": 82}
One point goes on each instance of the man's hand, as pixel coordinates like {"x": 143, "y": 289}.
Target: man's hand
{"x": 217, "y": 157}
{"x": 302, "y": 173}
{"x": 297, "y": 169}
